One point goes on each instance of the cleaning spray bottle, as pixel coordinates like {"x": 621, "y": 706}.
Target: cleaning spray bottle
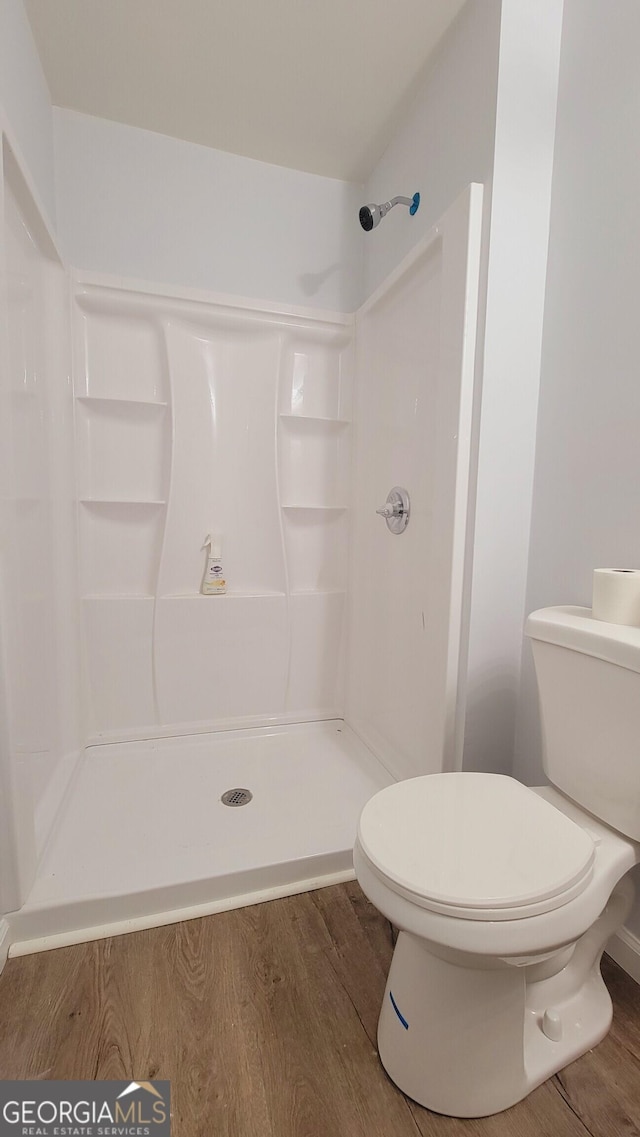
{"x": 213, "y": 582}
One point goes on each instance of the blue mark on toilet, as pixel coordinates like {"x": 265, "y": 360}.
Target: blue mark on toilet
{"x": 399, "y": 1014}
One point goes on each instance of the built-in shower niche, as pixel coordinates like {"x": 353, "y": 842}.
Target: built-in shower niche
{"x": 314, "y": 468}
{"x": 123, "y": 456}
{"x": 120, "y": 546}
{"x": 121, "y": 450}
{"x": 122, "y": 445}
{"x": 314, "y": 462}
{"x": 317, "y": 375}
{"x": 119, "y": 350}
{"x": 314, "y": 458}
{"x": 316, "y": 544}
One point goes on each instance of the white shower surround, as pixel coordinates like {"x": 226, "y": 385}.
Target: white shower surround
{"x": 198, "y": 416}
{"x": 40, "y": 730}
{"x": 161, "y": 367}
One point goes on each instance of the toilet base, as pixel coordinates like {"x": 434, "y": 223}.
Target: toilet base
{"x": 468, "y": 1041}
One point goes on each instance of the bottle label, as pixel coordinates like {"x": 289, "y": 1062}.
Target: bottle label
{"x": 214, "y": 578}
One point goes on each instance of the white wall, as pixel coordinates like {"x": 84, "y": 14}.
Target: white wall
{"x": 25, "y": 97}
{"x": 530, "y": 36}
{"x": 444, "y": 142}
{"x": 587, "y": 481}
{"x": 141, "y": 205}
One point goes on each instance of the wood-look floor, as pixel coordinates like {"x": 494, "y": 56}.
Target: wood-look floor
{"x": 264, "y": 1020}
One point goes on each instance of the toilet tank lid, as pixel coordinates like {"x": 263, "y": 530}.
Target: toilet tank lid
{"x": 575, "y": 628}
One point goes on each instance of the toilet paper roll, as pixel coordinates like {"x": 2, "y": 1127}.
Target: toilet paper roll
{"x": 616, "y": 596}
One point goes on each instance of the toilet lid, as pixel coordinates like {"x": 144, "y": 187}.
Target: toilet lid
{"x": 478, "y": 846}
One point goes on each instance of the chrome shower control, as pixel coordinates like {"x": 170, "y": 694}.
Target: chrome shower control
{"x": 396, "y": 510}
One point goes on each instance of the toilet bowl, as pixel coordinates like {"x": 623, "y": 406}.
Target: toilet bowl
{"x": 504, "y": 902}
{"x": 504, "y": 898}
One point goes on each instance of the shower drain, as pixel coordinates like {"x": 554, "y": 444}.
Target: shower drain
{"x": 236, "y": 797}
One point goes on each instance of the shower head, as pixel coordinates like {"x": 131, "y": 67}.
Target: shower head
{"x": 371, "y": 215}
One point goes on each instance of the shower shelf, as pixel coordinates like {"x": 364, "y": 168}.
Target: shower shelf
{"x": 315, "y": 508}
{"x": 318, "y": 592}
{"x": 121, "y": 501}
{"x": 316, "y": 420}
{"x": 108, "y": 402}
{"x": 231, "y": 594}
{"x": 93, "y": 596}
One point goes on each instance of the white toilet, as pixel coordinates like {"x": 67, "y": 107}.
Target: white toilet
{"x": 506, "y": 896}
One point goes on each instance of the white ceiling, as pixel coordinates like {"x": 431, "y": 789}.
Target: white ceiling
{"x": 317, "y": 85}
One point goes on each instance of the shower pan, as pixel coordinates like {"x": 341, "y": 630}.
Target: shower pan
{"x": 332, "y": 664}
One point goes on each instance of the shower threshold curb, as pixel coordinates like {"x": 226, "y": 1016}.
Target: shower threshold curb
{"x": 29, "y": 945}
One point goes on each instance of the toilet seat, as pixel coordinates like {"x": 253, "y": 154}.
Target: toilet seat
{"x": 475, "y": 846}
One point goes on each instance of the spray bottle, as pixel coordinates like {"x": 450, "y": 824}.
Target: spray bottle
{"x": 213, "y": 582}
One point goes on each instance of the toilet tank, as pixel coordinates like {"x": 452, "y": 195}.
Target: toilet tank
{"x": 589, "y": 685}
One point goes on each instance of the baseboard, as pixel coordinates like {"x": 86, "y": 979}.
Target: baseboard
{"x": 5, "y": 941}
{"x": 624, "y": 947}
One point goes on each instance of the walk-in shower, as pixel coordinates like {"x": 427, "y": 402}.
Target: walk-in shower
{"x": 330, "y": 666}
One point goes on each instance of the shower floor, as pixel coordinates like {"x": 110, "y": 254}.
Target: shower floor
{"x": 143, "y": 838}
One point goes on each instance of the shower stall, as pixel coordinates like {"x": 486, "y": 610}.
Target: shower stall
{"x": 136, "y": 420}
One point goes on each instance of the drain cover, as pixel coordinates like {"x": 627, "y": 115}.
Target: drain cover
{"x": 236, "y": 797}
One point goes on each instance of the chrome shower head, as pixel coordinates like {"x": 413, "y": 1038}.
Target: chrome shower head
{"x": 371, "y": 215}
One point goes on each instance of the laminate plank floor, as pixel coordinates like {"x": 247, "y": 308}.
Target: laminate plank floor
{"x": 264, "y": 1020}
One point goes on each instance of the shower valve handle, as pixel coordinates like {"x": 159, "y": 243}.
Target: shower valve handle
{"x": 396, "y": 510}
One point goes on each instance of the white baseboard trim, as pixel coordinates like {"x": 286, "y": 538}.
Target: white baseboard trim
{"x": 174, "y": 916}
{"x": 5, "y": 941}
{"x": 624, "y": 947}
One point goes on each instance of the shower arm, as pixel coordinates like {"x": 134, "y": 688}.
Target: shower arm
{"x": 387, "y": 205}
